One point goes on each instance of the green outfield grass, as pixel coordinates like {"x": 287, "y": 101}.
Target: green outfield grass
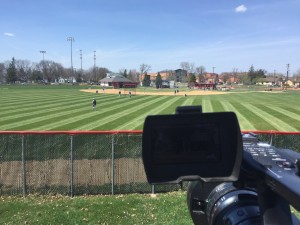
{"x": 37, "y": 107}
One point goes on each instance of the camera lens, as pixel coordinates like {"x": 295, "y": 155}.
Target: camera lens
{"x": 227, "y": 205}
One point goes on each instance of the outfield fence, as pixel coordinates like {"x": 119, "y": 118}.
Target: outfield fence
{"x": 90, "y": 162}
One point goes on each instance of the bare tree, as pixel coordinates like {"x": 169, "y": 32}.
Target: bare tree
{"x": 200, "y": 70}
{"x": 101, "y": 73}
{"x": 51, "y": 70}
{"x": 144, "y": 68}
{"x": 2, "y": 73}
{"x": 133, "y": 75}
{"x": 189, "y": 67}
{"x": 123, "y": 72}
{"x": 24, "y": 70}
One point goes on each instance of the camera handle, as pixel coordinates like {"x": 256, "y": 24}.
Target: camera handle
{"x": 274, "y": 209}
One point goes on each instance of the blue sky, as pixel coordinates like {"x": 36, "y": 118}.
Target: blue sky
{"x": 224, "y": 34}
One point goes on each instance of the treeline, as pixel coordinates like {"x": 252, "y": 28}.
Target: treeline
{"x": 47, "y": 71}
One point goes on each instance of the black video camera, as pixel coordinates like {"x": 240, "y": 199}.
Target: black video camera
{"x": 234, "y": 178}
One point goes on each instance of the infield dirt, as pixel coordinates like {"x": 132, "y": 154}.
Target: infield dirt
{"x": 181, "y": 93}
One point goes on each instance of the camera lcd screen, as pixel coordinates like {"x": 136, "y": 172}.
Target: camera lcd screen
{"x": 188, "y": 143}
{"x": 192, "y": 146}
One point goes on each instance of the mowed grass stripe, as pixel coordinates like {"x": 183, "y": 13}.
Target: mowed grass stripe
{"x": 258, "y": 122}
{"x": 207, "y": 106}
{"x": 245, "y": 124}
{"x": 45, "y": 119}
{"x": 282, "y": 99}
{"x": 43, "y": 114}
{"x": 188, "y": 101}
{"x": 101, "y": 112}
{"x": 24, "y": 106}
{"x": 139, "y": 121}
{"x": 288, "y": 118}
{"x": 88, "y": 116}
{"x": 94, "y": 124}
{"x": 217, "y": 106}
{"x": 112, "y": 125}
{"x": 290, "y": 113}
{"x": 197, "y": 100}
{"x": 272, "y": 120}
{"x": 38, "y": 110}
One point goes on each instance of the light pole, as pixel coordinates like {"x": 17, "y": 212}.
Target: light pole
{"x": 287, "y": 75}
{"x": 215, "y": 79}
{"x": 81, "y": 64}
{"x": 95, "y": 65}
{"x": 71, "y": 39}
{"x": 43, "y": 52}
{"x": 81, "y": 61}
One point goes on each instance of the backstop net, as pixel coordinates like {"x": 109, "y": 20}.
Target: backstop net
{"x": 129, "y": 88}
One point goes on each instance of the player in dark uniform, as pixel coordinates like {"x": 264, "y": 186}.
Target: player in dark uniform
{"x": 94, "y": 103}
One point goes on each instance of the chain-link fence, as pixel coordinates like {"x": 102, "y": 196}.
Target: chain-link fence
{"x": 76, "y": 163}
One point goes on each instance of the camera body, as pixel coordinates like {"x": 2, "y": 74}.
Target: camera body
{"x": 234, "y": 178}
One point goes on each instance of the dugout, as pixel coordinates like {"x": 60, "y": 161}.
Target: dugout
{"x": 117, "y": 81}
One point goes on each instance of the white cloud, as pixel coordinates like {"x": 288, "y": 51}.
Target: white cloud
{"x": 240, "y": 9}
{"x": 9, "y": 34}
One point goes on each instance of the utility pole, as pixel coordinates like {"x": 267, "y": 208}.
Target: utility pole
{"x": 81, "y": 63}
{"x": 215, "y": 79}
{"x": 43, "y": 52}
{"x": 95, "y": 65}
{"x": 287, "y": 75}
{"x": 71, "y": 39}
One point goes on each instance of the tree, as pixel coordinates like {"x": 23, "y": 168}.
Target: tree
{"x": 200, "y": 70}
{"x": 101, "y": 73}
{"x": 36, "y": 75}
{"x": 158, "y": 81}
{"x": 24, "y": 70}
{"x": 251, "y": 73}
{"x": 2, "y": 74}
{"x": 244, "y": 78}
{"x": 146, "y": 81}
{"x": 200, "y": 73}
{"x": 52, "y": 71}
{"x": 189, "y": 67}
{"x": 192, "y": 78}
{"x": 144, "y": 68}
{"x": 254, "y": 76}
{"x": 133, "y": 75}
{"x": 123, "y": 72}
{"x": 12, "y": 72}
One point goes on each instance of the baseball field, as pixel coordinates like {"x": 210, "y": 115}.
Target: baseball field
{"x": 58, "y": 107}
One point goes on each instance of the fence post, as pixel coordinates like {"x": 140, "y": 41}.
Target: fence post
{"x": 23, "y": 167}
{"x": 271, "y": 141}
{"x": 112, "y": 164}
{"x": 153, "y": 189}
{"x": 71, "y": 168}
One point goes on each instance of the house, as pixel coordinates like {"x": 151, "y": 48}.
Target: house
{"x": 62, "y": 80}
{"x": 296, "y": 82}
{"x": 211, "y": 78}
{"x": 164, "y": 76}
{"x": 66, "y": 80}
{"x": 270, "y": 81}
{"x": 229, "y": 78}
{"x": 116, "y": 81}
{"x": 180, "y": 75}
